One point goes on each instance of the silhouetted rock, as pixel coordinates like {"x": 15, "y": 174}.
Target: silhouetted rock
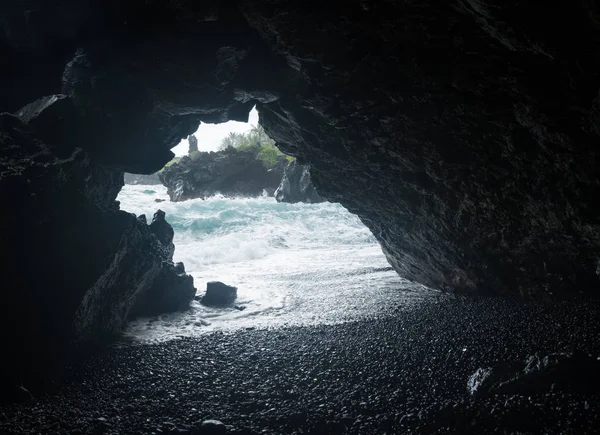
{"x": 193, "y": 144}
{"x": 230, "y": 172}
{"x": 164, "y": 233}
{"x": 94, "y": 264}
{"x": 219, "y": 294}
{"x": 213, "y": 427}
{"x": 296, "y": 186}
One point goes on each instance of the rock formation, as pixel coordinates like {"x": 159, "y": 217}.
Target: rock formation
{"x": 151, "y": 179}
{"x": 76, "y": 267}
{"x": 464, "y": 135}
{"x": 230, "y": 172}
{"x": 219, "y": 294}
{"x": 296, "y": 186}
{"x": 193, "y": 144}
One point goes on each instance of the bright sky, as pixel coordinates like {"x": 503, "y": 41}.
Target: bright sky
{"x": 210, "y": 135}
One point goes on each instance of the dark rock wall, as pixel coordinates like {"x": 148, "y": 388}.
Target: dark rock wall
{"x": 75, "y": 268}
{"x": 464, "y": 135}
{"x": 230, "y": 172}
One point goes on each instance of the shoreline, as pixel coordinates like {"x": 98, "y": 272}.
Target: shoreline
{"x": 393, "y": 374}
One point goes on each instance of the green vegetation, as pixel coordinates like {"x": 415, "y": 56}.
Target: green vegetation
{"x": 255, "y": 140}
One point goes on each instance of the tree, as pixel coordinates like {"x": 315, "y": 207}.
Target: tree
{"x": 231, "y": 140}
{"x": 256, "y": 140}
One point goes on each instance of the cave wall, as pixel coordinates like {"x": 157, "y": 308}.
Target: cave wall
{"x": 75, "y": 268}
{"x": 464, "y": 135}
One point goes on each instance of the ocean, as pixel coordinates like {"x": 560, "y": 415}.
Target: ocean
{"x": 293, "y": 264}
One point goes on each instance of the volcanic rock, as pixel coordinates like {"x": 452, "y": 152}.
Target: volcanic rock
{"x": 230, "y": 172}
{"x": 296, "y": 186}
{"x": 219, "y": 294}
{"x": 93, "y": 263}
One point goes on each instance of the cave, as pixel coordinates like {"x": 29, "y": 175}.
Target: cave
{"x": 464, "y": 136}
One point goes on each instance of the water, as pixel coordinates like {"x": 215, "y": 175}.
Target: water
{"x": 293, "y": 264}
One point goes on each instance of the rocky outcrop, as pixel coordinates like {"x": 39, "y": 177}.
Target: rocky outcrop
{"x": 151, "y": 179}
{"x": 219, "y": 294}
{"x": 230, "y": 172}
{"x": 76, "y": 267}
{"x": 296, "y": 186}
{"x": 193, "y": 141}
{"x": 172, "y": 289}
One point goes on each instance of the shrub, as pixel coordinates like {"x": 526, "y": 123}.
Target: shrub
{"x": 257, "y": 141}
{"x": 172, "y": 162}
{"x": 269, "y": 155}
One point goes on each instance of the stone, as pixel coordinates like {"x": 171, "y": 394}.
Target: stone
{"x": 296, "y": 186}
{"x": 213, "y": 427}
{"x": 219, "y": 294}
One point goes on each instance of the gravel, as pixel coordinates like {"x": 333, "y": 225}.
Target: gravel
{"x": 395, "y": 374}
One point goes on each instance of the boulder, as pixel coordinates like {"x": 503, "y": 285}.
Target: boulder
{"x": 296, "y": 186}
{"x": 219, "y": 294}
{"x": 213, "y": 427}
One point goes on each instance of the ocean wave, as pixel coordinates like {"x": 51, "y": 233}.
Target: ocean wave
{"x": 292, "y": 263}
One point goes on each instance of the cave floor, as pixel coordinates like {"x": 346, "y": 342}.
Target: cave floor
{"x": 395, "y": 374}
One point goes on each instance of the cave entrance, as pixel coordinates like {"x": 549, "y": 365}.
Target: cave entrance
{"x": 293, "y": 263}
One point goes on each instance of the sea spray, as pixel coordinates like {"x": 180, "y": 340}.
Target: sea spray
{"x": 292, "y": 263}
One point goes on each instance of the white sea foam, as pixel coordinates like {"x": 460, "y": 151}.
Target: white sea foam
{"x": 292, "y": 263}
